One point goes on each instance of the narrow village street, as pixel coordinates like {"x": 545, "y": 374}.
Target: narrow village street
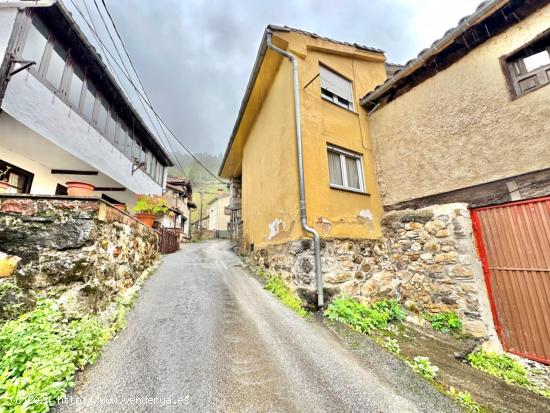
{"x": 204, "y": 331}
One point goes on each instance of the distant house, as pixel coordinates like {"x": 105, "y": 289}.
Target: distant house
{"x": 218, "y": 213}
{"x": 179, "y": 195}
{"x": 63, "y": 117}
{"x": 427, "y": 182}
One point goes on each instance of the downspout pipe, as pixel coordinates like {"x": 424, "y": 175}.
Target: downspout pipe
{"x": 303, "y": 210}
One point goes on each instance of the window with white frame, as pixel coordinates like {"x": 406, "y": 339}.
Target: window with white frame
{"x": 345, "y": 169}
{"x": 336, "y": 88}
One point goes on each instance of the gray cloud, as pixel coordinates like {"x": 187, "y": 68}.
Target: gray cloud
{"x": 194, "y": 57}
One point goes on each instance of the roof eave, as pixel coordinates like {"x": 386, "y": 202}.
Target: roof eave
{"x": 485, "y": 10}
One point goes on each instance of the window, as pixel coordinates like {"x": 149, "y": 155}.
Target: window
{"x": 101, "y": 117}
{"x": 336, "y": 88}
{"x": 528, "y": 68}
{"x": 345, "y": 169}
{"x": 111, "y": 128}
{"x": 36, "y": 41}
{"x": 56, "y": 66}
{"x": 88, "y": 103}
{"x": 75, "y": 87}
{"x": 19, "y": 180}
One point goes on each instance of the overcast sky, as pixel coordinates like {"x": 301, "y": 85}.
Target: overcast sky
{"x": 195, "y": 56}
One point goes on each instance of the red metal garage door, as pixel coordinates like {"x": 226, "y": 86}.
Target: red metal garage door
{"x": 514, "y": 246}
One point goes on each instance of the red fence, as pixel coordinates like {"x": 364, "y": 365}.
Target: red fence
{"x": 514, "y": 242}
{"x": 169, "y": 240}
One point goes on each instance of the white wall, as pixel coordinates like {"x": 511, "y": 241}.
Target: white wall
{"x": 7, "y": 18}
{"x": 31, "y": 103}
{"x": 216, "y": 214}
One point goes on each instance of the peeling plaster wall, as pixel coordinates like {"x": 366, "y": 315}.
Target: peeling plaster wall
{"x": 269, "y": 168}
{"x": 461, "y": 128}
{"x": 334, "y": 212}
{"x": 270, "y": 199}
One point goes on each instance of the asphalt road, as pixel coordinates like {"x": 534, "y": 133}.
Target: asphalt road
{"x": 204, "y": 336}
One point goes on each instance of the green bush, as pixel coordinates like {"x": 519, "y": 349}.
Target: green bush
{"x": 39, "y": 354}
{"x": 465, "y": 399}
{"x": 151, "y": 205}
{"x": 278, "y": 288}
{"x": 445, "y": 322}
{"x": 362, "y": 318}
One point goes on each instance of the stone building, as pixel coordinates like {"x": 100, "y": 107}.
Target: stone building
{"x": 424, "y": 182}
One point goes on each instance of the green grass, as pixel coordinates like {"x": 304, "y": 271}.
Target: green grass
{"x": 362, "y": 318}
{"x": 276, "y": 285}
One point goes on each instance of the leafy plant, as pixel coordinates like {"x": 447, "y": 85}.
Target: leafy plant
{"x": 499, "y": 365}
{"x": 39, "y": 354}
{"x": 445, "y": 322}
{"x": 362, "y": 318}
{"x": 424, "y": 367}
{"x": 149, "y": 204}
{"x": 278, "y": 288}
{"x": 465, "y": 399}
{"x": 392, "y": 345}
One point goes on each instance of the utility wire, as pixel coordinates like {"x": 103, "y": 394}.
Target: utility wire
{"x": 127, "y": 72}
{"x": 145, "y": 99}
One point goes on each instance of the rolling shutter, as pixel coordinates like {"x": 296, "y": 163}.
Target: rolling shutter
{"x": 335, "y": 84}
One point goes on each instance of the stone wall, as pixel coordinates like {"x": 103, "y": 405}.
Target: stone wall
{"x": 426, "y": 260}
{"x": 81, "y": 250}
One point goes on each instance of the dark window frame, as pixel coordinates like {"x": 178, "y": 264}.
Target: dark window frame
{"x": 29, "y": 176}
{"x": 512, "y": 63}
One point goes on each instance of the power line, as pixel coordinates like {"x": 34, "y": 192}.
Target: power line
{"x": 126, "y": 71}
{"x": 145, "y": 99}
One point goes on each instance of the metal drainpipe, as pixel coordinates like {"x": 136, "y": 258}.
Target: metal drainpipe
{"x": 303, "y": 210}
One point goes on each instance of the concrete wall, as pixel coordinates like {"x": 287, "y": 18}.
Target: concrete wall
{"x": 270, "y": 200}
{"x": 7, "y": 19}
{"x": 461, "y": 128}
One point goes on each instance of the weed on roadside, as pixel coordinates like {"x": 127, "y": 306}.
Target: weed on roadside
{"x": 445, "y": 322}
{"x": 506, "y": 368}
{"x": 424, "y": 367}
{"x": 362, "y": 318}
{"x": 277, "y": 286}
{"x": 465, "y": 399}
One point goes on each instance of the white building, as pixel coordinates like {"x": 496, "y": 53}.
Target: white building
{"x": 64, "y": 118}
{"x": 218, "y": 217}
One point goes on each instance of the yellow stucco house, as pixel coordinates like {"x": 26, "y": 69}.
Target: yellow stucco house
{"x": 341, "y": 196}
{"x": 428, "y": 183}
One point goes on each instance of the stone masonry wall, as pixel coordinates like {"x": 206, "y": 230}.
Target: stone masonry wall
{"x": 82, "y": 251}
{"x": 426, "y": 260}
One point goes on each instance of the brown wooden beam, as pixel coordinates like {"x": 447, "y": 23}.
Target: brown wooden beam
{"x": 109, "y": 189}
{"x": 72, "y": 172}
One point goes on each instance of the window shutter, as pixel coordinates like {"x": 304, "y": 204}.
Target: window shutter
{"x": 335, "y": 84}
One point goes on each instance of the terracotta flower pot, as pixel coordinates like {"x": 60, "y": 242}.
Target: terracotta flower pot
{"x": 147, "y": 219}
{"x": 76, "y": 188}
{"x": 4, "y": 186}
{"x": 120, "y": 207}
